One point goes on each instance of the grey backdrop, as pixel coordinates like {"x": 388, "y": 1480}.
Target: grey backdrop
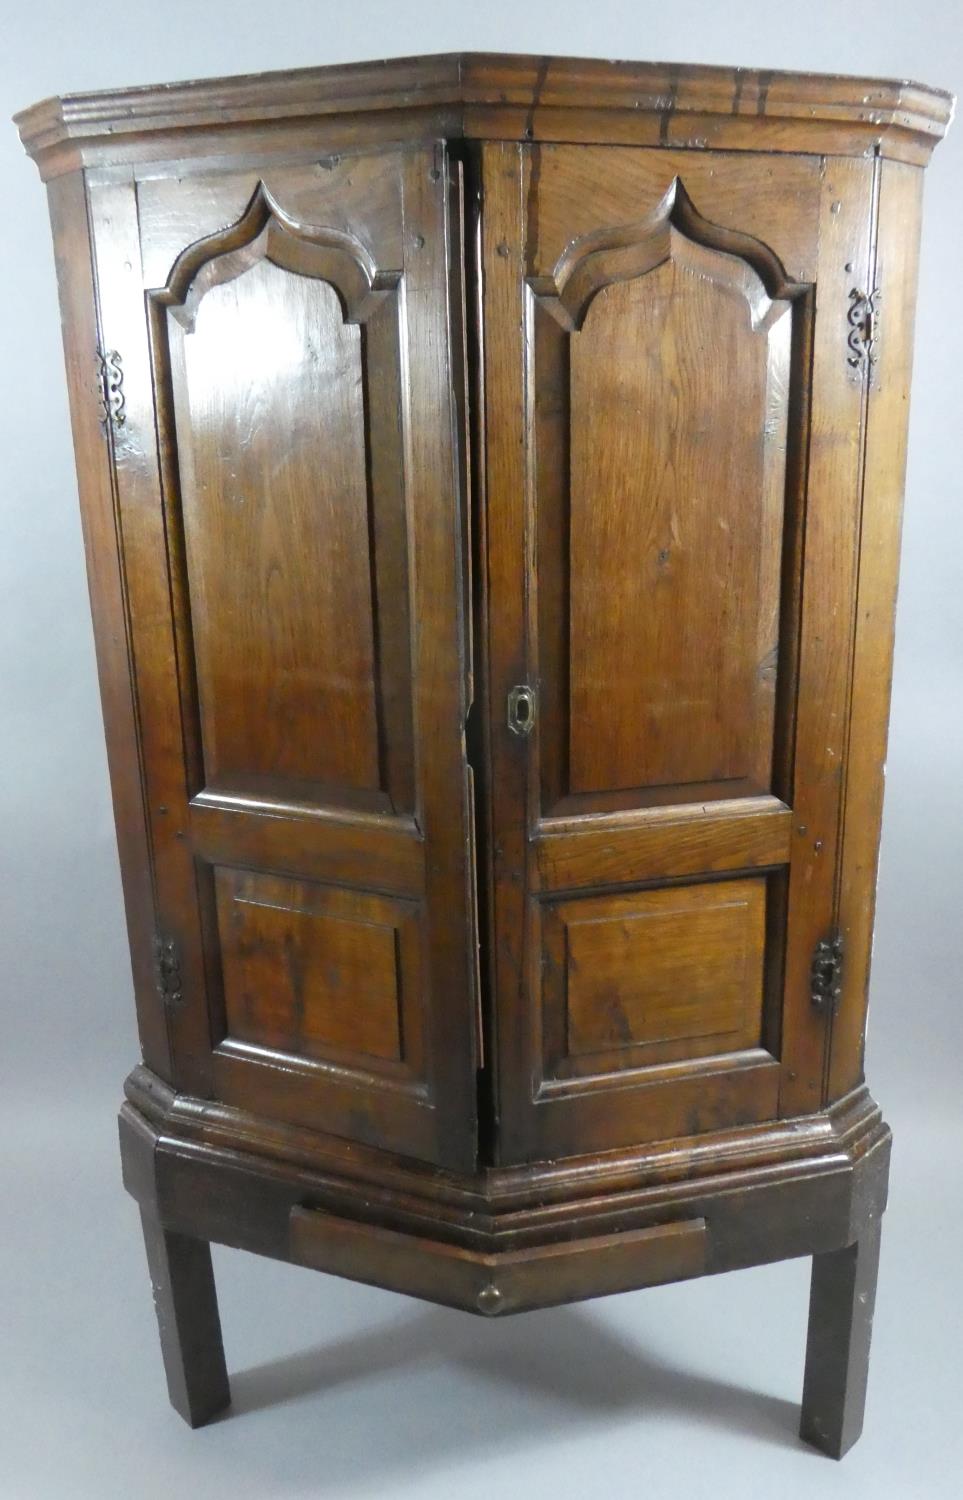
{"x": 341, "y": 1390}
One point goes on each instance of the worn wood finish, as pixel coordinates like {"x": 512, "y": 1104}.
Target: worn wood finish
{"x": 494, "y": 1285}
{"x": 772, "y": 1200}
{"x": 500, "y": 1201}
{"x": 491, "y": 472}
{"x": 897, "y": 260}
{"x": 486, "y": 95}
{"x": 107, "y": 582}
{"x": 678, "y": 584}
{"x": 303, "y": 644}
{"x": 662, "y": 843}
{"x": 831, "y": 541}
{"x": 657, "y": 975}
{"x": 837, "y": 1350}
{"x": 632, "y": 532}
{"x": 185, "y": 1301}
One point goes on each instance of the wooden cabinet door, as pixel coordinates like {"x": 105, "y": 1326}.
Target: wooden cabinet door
{"x": 673, "y": 418}
{"x": 289, "y": 507}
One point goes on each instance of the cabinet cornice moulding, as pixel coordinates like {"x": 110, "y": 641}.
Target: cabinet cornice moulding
{"x": 502, "y": 95}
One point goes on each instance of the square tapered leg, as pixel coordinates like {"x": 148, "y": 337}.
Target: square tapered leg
{"x": 842, "y": 1298}
{"x": 185, "y": 1300}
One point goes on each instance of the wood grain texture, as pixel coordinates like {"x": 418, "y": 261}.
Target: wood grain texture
{"x": 831, "y": 541}
{"x": 897, "y": 264}
{"x": 675, "y": 526}
{"x": 494, "y": 1285}
{"x": 498, "y": 95}
{"x": 800, "y": 1204}
{"x": 842, "y": 1300}
{"x": 526, "y": 1204}
{"x": 431, "y": 382}
{"x": 188, "y": 1321}
{"x": 771, "y": 198}
{"x": 374, "y": 851}
{"x": 658, "y": 973}
{"x": 107, "y": 586}
{"x": 662, "y": 843}
{"x": 295, "y": 575}
{"x": 318, "y": 971}
{"x": 152, "y": 625}
{"x": 277, "y": 531}
{"x": 657, "y": 504}
{"x": 507, "y": 626}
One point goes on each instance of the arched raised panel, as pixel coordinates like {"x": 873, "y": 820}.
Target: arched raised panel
{"x": 663, "y": 414}
{"x": 285, "y": 497}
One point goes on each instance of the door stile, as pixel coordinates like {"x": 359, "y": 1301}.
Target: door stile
{"x": 828, "y": 613}
{"x": 107, "y": 579}
{"x": 117, "y": 254}
{"x": 506, "y": 494}
{"x": 442, "y": 662}
{"x": 897, "y": 264}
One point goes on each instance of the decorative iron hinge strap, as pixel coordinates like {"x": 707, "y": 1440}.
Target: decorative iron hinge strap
{"x": 863, "y": 337}
{"x": 826, "y": 975}
{"x": 167, "y": 967}
{"x": 110, "y": 377}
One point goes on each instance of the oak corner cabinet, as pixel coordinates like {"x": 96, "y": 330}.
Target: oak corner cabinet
{"x": 491, "y": 471}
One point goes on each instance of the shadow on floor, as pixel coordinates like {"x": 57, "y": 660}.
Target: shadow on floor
{"x": 526, "y": 1377}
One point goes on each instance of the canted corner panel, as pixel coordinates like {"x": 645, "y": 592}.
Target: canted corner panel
{"x": 325, "y": 976}
{"x": 662, "y": 353}
{"x": 278, "y": 346}
{"x": 642, "y": 978}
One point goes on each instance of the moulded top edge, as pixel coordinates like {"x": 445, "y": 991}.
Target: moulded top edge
{"x": 497, "y": 81}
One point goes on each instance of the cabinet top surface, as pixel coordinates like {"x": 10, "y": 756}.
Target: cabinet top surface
{"x": 508, "y": 96}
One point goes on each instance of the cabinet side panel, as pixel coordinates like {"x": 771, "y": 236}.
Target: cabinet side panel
{"x": 68, "y": 215}
{"x": 900, "y": 200}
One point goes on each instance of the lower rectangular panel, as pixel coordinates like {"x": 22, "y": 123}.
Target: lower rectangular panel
{"x": 650, "y": 1015}
{"x": 324, "y": 1008}
{"x": 321, "y": 972}
{"x": 512, "y": 1281}
{"x": 651, "y": 976}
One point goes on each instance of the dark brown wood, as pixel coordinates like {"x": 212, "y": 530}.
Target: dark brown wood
{"x": 842, "y": 1300}
{"x": 106, "y": 577}
{"x": 512, "y": 1281}
{"x": 897, "y": 261}
{"x": 831, "y": 543}
{"x": 190, "y": 1328}
{"x": 491, "y": 473}
{"x": 608, "y": 299}
{"x": 293, "y": 591}
{"x": 771, "y": 1201}
{"x": 490, "y": 95}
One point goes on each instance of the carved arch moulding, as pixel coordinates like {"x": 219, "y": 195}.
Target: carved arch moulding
{"x": 266, "y": 232}
{"x": 627, "y": 251}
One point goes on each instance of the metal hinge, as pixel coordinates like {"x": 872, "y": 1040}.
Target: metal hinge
{"x": 863, "y": 337}
{"x": 110, "y": 378}
{"x": 167, "y": 968}
{"x": 825, "y": 983}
